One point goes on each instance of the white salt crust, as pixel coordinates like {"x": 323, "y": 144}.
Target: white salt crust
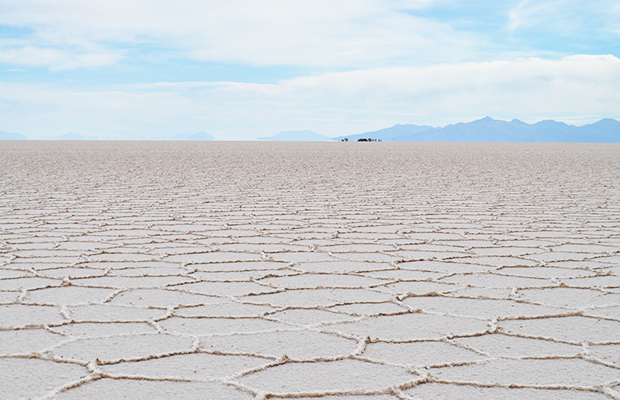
{"x": 318, "y": 270}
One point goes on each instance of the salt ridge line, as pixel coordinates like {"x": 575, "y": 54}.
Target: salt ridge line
{"x": 406, "y": 241}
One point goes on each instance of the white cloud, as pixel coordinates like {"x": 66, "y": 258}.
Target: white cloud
{"x": 269, "y": 32}
{"x": 53, "y": 58}
{"x": 580, "y": 89}
{"x": 564, "y": 17}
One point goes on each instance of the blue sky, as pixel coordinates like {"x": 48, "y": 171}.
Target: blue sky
{"x": 240, "y": 70}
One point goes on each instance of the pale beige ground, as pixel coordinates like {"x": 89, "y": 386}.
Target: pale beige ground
{"x": 336, "y": 270}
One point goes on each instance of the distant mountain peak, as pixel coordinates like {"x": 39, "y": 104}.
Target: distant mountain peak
{"x": 11, "y": 136}
{"x": 488, "y": 129}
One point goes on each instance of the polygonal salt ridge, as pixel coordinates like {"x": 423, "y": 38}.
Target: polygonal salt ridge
{"x": 321, "y": 280}
{"x": 299, "y": 257}
{"x": 227, "y": 325}
{"x": 609, "y": 259}
{"x": 267, "y": 239}
{"x": 230, "y": 308}
{"x": 491, "y": 280}
{"x": 475, "y": 391}
{"x": 106, "y": 256}
{"x": 230, "y": 289}
{"x": 448, "y": 267}
{"x": 476, "y": 292}
{"x": 161, "y": 298}
{"x": 152, "y": 389}
{"x": 431, "y": 247}
{"x": 113, "y": 313}
{"x": 495, "y": 262}
{"x": 559, "y": 256}
{"x": 426, "y": 287}
{"x": 308, "y": 317}
{"x": 51, "y": 376}
{"x": 76, "y": 244}
{"x": 600, "y": 282}
{"x": 506, "y": 251}
{"x": 325, "y": 378}
{"x": 17, "y": 316}
{"x": 585, "y": 248}
{"x": 579, "y": 298}
{"x": 174, "y": 249}
{"x": 131, "y": 282}
{"x": 370, "y": 309}
{"x": 357, "y": 397}
{"x": 404, "y": 275}
{"x": 302, "y": 298}
{"x": 241, "y": 276}
{"x": 47, "y": 254}
{"x": 28, "y": 341}
{"x": 576, "y": 373}
{"x": 481, "y": 308}
{"x": 420, "y": 353}
{"x": 103, "y": 329}
{"x": 341, "y": 266}
{"x": 356, "y": 248}
{"x": 500, "y": 344}
{"x": 294, "y": 343}
{"x": 608, "y": 355}
{"x": 15, "y": 273}
{"x": 571, "y": 329}
{"x": 383, "y": 257}
{"x": 213, "y": 257}
{"x": 68, "y": 295}
{"x": 605, "y": 312}
{"x": 28, "y": 283}
{"x": 261, "y": 248}
{"x": 113, "y": 349}
{"x": 70, "y": 272}
{"x": 196, "y": 366}
{"x": 548, "y": 272}
{"x": 241, "y": 266}
{"x": 410, "y": 326}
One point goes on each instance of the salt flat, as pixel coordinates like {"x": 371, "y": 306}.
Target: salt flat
{"x": 243, "y": 270}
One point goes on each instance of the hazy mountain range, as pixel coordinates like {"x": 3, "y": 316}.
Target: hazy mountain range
{"x": 483, "y": 130}
{"x": 11, "y": 136}
{"x": 492, "y": 130}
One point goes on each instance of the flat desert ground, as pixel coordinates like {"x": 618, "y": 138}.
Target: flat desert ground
{"x": 349, "y": 271}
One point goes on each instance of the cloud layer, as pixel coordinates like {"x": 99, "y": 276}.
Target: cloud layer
{"x": 118, "y": 69}
{"x": 270, "y": 32}
{"x": 577, "y": 89}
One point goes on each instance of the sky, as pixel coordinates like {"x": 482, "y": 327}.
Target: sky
{"x": 243, "y": 69}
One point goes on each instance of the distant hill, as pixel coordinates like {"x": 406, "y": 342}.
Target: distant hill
{"x": 302, "y": 136}
{"x": 491, "y": 130}
{"x": 11, "y": 136}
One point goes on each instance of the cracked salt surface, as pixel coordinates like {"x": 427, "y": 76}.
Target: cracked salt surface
{"x": 315, "y": 270}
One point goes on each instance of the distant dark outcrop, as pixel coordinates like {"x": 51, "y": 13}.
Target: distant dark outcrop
{"x": 491, "y": 130}
{"x": 11, "y": 136}
{"x": 389, "y": 134}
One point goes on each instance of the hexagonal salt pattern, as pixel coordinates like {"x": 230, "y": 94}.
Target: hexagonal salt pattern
{"x": 316, "y": 270}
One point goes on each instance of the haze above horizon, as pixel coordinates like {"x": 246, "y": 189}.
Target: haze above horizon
{"x": 240, "y": 70}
